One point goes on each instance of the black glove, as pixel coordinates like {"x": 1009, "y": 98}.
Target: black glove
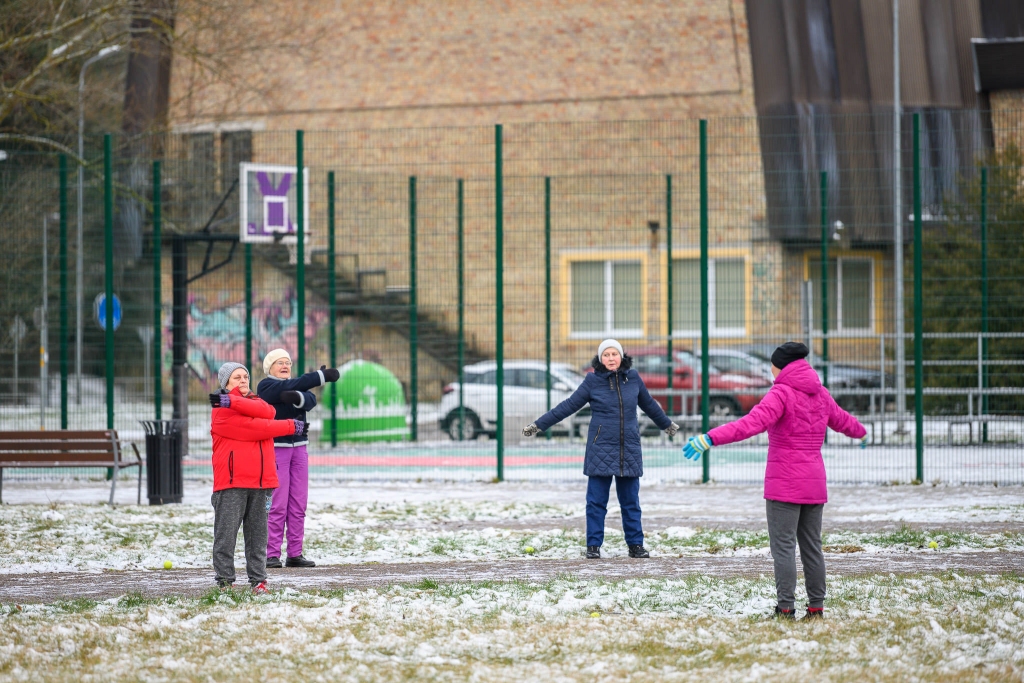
{"x": 330, "y": 374}
{"x": 220, "y": 400}
{"x": 293, "y": 397}
{"x": 301, "y": 428}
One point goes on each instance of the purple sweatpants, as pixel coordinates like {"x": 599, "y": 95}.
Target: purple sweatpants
{"x": 289, "y": 506}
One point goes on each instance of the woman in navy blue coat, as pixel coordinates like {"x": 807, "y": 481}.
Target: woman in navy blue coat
{"x": 614, "y": 390}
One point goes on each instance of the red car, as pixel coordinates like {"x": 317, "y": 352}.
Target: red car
{"x": 730, "y": 394}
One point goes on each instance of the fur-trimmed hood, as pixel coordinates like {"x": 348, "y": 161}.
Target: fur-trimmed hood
{"x": 613, "y": 433}
{"x": 627, "y": 363}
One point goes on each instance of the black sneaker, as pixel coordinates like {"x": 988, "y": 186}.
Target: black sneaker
{"x": 784, "y": 613}
{"x": 274, "y": 563}
{"x": 814, "y": 613}
{"x": 593, "y": 552}
{"x": 638, "y": 551}
{"x": 299, "y": 561}
{"x": 225, "y": 585}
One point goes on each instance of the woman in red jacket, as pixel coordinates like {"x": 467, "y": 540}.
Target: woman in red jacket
{"x": 244, "y": 474}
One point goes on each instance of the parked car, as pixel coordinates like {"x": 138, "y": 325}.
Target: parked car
{"x": 730, "y": 393}
{"x": 525, "y": 394}
{"x": 736, "y": 362}
{"x": 840, "y": 376}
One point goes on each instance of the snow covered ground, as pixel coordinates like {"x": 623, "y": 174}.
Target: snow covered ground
{"x": 572, "y": 623}
{"x": 923, "y": 628}
{"x": 54, "y": 529}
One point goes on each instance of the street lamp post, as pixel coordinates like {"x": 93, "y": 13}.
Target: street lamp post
{"x": 79, "y": 266}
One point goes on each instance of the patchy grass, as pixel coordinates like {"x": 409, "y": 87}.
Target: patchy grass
{"x": 58, "y": 537}
{"x": 928, "y": 628}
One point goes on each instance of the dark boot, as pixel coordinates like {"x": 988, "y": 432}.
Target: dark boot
{"x": 814, "y": 613}
{"x": 274, "y": 563}
{"x": 780, "y": 613}
{"x": 638, "y": 551}
{"x": 593, "y": 552}
{"x": 299, "y": 561}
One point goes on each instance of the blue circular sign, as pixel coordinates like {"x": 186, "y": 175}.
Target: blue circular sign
{"x": 99, "y": 307}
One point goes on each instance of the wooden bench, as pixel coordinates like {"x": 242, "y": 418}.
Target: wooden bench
{"x": 67, "y": 449}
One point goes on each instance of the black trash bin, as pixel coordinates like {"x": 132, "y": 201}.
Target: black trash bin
{"x": 165, "y": 449}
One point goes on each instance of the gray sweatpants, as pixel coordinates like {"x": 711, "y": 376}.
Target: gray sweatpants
{"x": 246, "y": 508}
{"x": 789, "y": 525}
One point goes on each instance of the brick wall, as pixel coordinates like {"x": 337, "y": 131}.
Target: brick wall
{"x": 603, "y": 97}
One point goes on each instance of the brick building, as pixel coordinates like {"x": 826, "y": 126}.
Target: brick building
{"x": 414, "y": 88}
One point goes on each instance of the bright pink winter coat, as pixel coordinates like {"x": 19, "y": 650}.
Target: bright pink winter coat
{"x": 795, "y": 413}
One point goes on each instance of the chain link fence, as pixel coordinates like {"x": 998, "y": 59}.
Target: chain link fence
{"x": 462, "y": 279}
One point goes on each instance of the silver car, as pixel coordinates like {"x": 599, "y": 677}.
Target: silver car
{"x": 525, "y": 396}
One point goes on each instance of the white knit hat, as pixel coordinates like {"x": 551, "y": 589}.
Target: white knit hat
{"x": 273, "y": 357}
{"x": 608, "y": 344}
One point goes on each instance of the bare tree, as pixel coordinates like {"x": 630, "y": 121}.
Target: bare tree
{"x": 43, "y": 44}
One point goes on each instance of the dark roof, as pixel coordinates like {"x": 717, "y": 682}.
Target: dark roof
{"x": 997, "y": 64}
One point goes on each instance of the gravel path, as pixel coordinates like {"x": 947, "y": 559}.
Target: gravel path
{"x": 44, "y": 588}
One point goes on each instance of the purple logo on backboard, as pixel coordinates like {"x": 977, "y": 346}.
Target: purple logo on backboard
{"x": 268, "y": 198}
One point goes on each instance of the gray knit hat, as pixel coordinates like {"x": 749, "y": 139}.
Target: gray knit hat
{"x": 224, "y": 374}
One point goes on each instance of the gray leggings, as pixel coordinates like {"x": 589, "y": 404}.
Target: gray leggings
{"x": 246, "y": 508}
{"x": 789, "y": 525}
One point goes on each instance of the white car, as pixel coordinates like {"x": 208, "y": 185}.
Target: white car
{"x": 525, "y": 396}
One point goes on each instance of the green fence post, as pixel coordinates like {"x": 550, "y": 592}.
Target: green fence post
{"x": 461, "y": 350}
{"x": 108, "y": 271}
{"x": 63, "y": 291}
{"x": 824, "y": 276}
{"x": 158, "y": 386}
{"x": 413, "y": 323}
{"x": 704, "y": 364}
{"x": 248, "y": 305}
{"x": 918, "y": 302}
{"x": 300, "y": 253}
{"x": 547, "y": 294}
{"x": 983, "y": 408}
{"x": 332, "y": 302}
{"x": 499, "y": 296}
{"x": 670, "y": 368}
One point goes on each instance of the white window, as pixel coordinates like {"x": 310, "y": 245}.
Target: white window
{"x": 727, "y": 296}
{"x": 851, "y": 293}
{"x": 606, "y": 299}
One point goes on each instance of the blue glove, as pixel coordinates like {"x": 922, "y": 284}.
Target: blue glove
{"x": 864, "y": 442}
{"x": 696, "y": 446}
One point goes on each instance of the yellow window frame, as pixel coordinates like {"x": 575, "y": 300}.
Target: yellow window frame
{"x": 748, "y": 285}
{"x": 567, "y": 258}
{"x": 877, "y": 259}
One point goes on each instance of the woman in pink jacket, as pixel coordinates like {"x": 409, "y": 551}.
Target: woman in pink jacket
{"x": 795, "y": 413}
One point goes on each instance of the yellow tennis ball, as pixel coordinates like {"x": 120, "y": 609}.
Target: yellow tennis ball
{"x": 167, "y": 564}
{"x": 529, "y": 550}
{"x": 595, "y": 614}
{"x": 933, "y": 545}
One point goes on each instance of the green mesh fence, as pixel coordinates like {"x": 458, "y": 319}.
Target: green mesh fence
{"x": 783, "y": 226}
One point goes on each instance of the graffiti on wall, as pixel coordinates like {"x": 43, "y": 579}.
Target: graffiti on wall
{"x": 216, "y": 332}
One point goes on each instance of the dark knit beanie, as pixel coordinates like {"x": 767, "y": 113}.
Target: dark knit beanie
{"x": 789, "y": 352}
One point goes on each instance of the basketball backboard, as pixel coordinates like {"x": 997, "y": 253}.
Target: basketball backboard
{"x": 268, "y": 198}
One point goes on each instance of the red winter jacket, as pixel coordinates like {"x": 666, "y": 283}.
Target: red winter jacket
{"x": 243, "y": 443}
{"x": 795, "y": 413}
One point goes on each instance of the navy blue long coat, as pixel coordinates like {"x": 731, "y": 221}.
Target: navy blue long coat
{"x": 613, "y": 440}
